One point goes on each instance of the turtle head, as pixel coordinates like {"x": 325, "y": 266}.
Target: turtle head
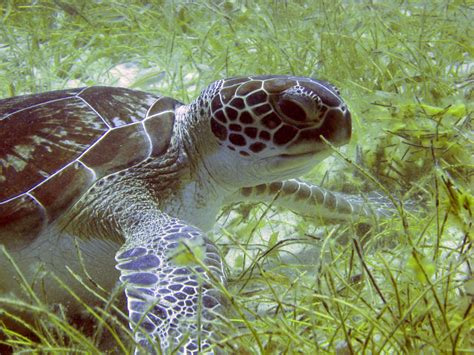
{"x": 268, "y": 128}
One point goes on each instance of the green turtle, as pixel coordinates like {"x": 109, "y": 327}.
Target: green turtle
{"x": 129, "y": 176}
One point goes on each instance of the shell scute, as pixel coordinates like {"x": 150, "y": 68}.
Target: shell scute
{"x": 160, "y": 130}
{"x": 63, "y": 189}
{"x": 118, "y": 106}
{"x": 55, "y": 146}
{"x": 118, "y": 149}
{"x": 163, "y": 105}
{"x": 21, "y": 221}
{"x": 40, "y": 140}
{"x": 13, "y": 104}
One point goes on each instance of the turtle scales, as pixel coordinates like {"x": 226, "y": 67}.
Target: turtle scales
{"x": 129, "y": 177}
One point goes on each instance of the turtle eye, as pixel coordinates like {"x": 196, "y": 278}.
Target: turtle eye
{"x": 299, "y": 107}
{"x": 292, "y": 110}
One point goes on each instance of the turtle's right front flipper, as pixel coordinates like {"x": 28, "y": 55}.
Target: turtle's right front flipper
{"x": 170, "y": 306}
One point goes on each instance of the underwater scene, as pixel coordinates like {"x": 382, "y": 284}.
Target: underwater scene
{"x": 236, "y": 177}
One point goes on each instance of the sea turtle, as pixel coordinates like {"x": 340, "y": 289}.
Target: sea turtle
{"x": 129, "y": 177}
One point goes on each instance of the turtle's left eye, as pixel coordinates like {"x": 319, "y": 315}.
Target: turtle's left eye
{"x": 292, "y": 110}
{"x": 299, "y": 106}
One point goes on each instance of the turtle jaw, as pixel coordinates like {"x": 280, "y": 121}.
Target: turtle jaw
{"x": 310, "y": 147}
{"x": 291, "y": 165}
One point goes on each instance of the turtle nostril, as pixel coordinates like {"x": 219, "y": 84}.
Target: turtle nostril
{"x": 292, "y": 110}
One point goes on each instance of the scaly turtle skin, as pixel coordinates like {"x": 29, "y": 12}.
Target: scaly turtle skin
{"x": 130, "y": 176}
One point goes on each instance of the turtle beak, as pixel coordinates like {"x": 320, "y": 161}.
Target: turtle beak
{"x": 337, "y": 127}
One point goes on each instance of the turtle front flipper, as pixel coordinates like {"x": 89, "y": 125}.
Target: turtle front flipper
{"x": 171, "y": 303}
{"x": 313, "y": 201}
